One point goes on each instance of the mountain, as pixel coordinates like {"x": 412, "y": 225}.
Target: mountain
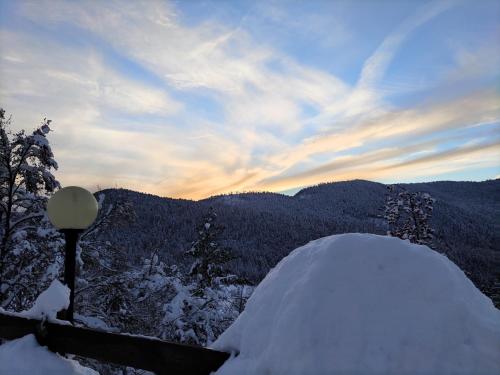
{"x": 262, "y": 228}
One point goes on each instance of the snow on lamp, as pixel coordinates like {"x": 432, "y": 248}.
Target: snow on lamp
{"x": 71, "y": 210}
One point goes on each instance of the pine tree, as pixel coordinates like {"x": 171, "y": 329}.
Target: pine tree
{"x": 104, "y": 278}
{"x": 204, "y": 303}
{"x": 210, "y": 258}
{"x": 408, "y": 214}
{"x": 26, "y": 179}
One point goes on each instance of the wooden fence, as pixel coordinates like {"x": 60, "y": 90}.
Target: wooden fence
{"x": 161, "y": 357}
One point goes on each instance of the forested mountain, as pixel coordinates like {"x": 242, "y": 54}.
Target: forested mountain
{"x": 262, "y": 228}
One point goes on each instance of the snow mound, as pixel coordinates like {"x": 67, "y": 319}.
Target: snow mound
{"x": 364, "y": 304}
{"x": 25, "y": 356}
{"x": 49, "y": 302}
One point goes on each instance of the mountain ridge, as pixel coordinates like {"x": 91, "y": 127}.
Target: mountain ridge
{"x": 263, "y": 227}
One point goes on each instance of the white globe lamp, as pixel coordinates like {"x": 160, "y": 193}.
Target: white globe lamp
{"x": 71, "y": 210}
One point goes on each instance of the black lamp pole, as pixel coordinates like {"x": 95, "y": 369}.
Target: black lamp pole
{"x": 71, "y": 209}
{"x": 71, "y": 237}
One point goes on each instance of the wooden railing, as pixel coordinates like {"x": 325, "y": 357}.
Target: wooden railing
{"x": 161, "y": 357}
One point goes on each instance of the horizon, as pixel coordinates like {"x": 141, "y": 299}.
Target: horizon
{"x": 197, "y": 99}
{"x": 290, "y": 192}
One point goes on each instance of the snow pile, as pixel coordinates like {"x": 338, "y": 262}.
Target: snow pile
{"x": 94, "y": 323}
{"x": 49, "y": 302}
{"x": 25, "y": 356}
{"x": 364, "y": 304}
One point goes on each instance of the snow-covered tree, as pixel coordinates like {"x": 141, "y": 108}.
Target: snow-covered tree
{"x": 199, "y": 320}
{"x": 209, "y": 267}
{"x": 104, "y": 277}
{"x": 408, "y": 214}
{"x": 204, "y": 304}
{"x": 27, "y": 254}
{"x": 128, "y": 299}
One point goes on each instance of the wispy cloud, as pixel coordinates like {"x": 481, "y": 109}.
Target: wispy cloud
{"x": 376, "y": 65}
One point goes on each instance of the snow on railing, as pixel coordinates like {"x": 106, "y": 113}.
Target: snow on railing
{"x": 148, "y": 353}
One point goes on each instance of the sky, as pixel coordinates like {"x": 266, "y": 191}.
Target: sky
{"x": 190, "y": 99}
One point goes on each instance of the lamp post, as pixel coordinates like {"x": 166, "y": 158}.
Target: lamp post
{"x": 71, "y": 210}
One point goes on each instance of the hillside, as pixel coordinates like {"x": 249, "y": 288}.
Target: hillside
{"x": 262, "y": 228}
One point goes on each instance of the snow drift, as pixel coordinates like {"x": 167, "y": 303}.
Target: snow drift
{"x": 363, "y": 304}
{"x": 25, "y": 357}
{"x": 49, "y": 302}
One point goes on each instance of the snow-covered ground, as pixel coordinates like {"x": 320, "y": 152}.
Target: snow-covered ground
{"x": 364, "y": 304}
{"x": 25, "y": 356}
{"x": 352, "y": 303}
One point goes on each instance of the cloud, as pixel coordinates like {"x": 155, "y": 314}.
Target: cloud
{"x": 379, "y": 165}
{"x": 70, "y": 76}
{"x": 377, "y": 64}
{"x": 398, "y": 125}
